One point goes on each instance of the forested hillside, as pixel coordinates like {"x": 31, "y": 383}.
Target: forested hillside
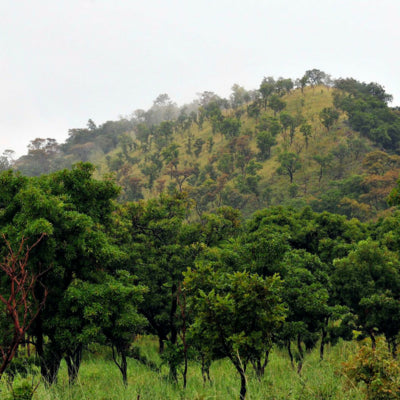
{"x": 330, "y": 144}
{"x": 178, "y": 235}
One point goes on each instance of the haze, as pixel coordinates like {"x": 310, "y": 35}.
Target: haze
{"x": 64, "y": 62}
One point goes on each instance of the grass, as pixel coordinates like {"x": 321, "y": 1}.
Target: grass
{"x": 100, "y": 379}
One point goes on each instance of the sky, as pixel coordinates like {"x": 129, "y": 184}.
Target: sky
{"x": 65, "y": 61}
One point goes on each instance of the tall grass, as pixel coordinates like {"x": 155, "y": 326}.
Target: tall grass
{"x": 99, "y": 379}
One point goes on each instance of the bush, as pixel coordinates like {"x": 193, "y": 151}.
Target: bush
{"x": 22, "y": 391}
{"x": 377, "y": 369}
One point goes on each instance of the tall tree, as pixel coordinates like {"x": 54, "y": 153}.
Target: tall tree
{"x": 74, "y": 211}
{"x": 235, "y": 314}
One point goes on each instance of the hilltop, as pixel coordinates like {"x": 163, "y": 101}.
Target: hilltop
{"x": 328, "y": 144}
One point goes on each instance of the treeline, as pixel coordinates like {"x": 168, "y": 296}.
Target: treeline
{"x": 219, "y": 287}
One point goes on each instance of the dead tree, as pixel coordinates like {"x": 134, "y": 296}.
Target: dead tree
{"x": 21, "y": 306}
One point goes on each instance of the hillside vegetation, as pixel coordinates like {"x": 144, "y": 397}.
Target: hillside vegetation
{"x": 328, "y": 144}
{"x": 89, "y": 271}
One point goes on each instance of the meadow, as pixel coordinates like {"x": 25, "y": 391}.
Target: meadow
{"x": 100, "y": 379}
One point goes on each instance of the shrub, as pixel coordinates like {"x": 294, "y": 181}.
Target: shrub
{"x": 377, "y": 369}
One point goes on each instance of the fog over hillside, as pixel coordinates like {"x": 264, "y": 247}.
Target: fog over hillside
{"x": 64, "y": 62}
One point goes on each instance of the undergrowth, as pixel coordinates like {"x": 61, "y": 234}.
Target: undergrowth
{"x": 99, "y": 379}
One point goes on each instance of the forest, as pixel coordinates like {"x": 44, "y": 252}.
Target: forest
{"x": 235, "y": 235}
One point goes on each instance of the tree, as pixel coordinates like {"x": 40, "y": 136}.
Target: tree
{"x": 316, "y": 77}
{"x": 306, "y": 130}
{"x": 368, "y": 282}
{"x": 290, "y": 163}
{"x": 324, "y": 162}
{"x": 229, "y": 127}
{"x": 378, "y": 162}
{"x": 284, "y": 86}
{"x": 198, "y": 146}
{"x": 239, "y": 96}
{"x": 253, "y": 110}
{"x": 341, "y": 151}
{"x": 328, "y": 117}
{"x": 306, "y": 284}
{"x": 7, "y": 160}
{"x": 41, "y": 154}
{"x": 74, "y": 210}
{"x": 109, "y": 308}
{"x": 303, "y": 82}
{"x": 160, "y": 247}
{"x": 265, "y": 141}
{"x": 235, "y": 314}
{"x": 21, "y": 306}
{"x": 267, "y": 88}
{"x": 286, "y": 120}
{"x": 276, "y": 104}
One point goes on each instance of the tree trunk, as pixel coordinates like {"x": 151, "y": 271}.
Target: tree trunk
{"x": 122, "y": 366}
{"x": 49, "y": 366}
{"x": 160, "y": 345}
{"x": 73, "y": 360}
{"x": 373, "y": 341}
{"x": 205, "y": 368}
{"x": 259, "y": 365}
{"x": 301, "y": 355}
{"x": 243, "y": 388}
{"x": 49, "y": 360}
{"x": 321, "y": 348}
{"x": 290, "y": 353}
{"x": 174, "y": 332}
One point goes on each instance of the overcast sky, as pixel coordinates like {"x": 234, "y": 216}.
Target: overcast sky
{"x": 65, "y": 61}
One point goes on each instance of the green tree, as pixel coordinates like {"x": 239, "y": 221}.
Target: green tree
{"x": 286, "y": 120}
{"x": 265, "y": 141}
{"x": 161, "y": 246}
{"x": 267, "y": 88}
{"x": 276, "y": 104}
{"x": 109, "y": 310}
{"x": 303, "y": 81}
{"x": 239, "y": 96}
{"x": 316, "y": 76}
{"x": 229, "y": 127}
{"x": 74, "y": 211}
{"x": 290, "y": 163}
{"x": 324, "y": 162}
{"x": 328, "y": 117}
{"x": 368, "y": 282}
{"x": 284, "y": 86}
{"x": 235, "y": 314}
{"x": 306, "y": 130}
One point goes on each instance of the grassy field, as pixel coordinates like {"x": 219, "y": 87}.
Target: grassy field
{"x": 100, "y": 379}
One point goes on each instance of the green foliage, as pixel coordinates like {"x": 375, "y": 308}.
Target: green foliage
{"x": 265, "y": 140}
{"x": 22, "y": 391}
{"x": 234, "y": 314}
{"x": 368, "y": 281}
{"x": 229, "y": 127}
{"x": 369, "y": 114}
{"x": 276, "y": 104}
{"x": 74, "y": 210}
{"x": 328, "y": 117}
{"x": 290, "y": 163}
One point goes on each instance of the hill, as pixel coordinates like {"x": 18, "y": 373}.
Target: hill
{"x": 328, "y": 144}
